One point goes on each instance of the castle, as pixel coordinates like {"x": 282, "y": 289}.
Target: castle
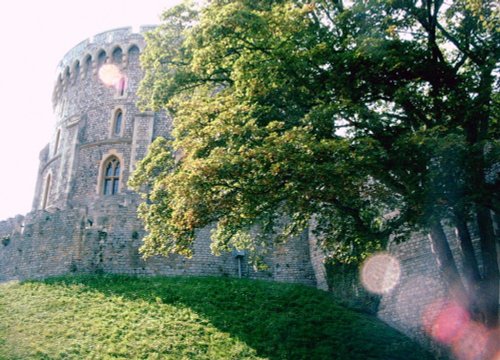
{"x": 84, "y": 218}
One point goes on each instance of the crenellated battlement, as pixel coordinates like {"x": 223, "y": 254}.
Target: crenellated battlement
{"x": 105, "y": 39}
{"x": 82, "y": 62}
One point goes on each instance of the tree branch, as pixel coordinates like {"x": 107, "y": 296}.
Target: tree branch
{"x": 478, "y": 61}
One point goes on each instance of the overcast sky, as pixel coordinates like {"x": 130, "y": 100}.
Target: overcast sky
{"x": 35, "y": 35}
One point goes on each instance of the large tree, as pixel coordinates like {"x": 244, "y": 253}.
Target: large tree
{"x": 291, "y": 110}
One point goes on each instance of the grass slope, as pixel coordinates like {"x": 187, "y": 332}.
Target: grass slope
{"x": 122, "y": 317}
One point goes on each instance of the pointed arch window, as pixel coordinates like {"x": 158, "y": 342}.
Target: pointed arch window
{"x": 76, "y": 71}
{"x": 101, "y": 58}
{"x": 133, "y": 54}
{"x": 88, "y": 65}
{"x": 111, "y": 181}
{"x": 117, "y": 55}
{"x": 118, "y": 122}
{"x": 67, "y": 76}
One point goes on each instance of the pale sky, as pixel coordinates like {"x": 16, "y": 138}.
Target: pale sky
{"x": 35, "y": 35}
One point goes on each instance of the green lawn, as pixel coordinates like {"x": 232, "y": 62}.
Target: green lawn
{"x": 122, "y": 317}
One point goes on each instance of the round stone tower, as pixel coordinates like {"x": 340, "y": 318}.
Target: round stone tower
{"x": 99, "y": 134}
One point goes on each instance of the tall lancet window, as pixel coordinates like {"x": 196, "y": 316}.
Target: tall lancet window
{"x": 111, "y": 183}
{"x": 118, "y": 123}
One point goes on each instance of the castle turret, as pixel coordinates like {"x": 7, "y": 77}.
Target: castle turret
{"x": 99, "y": 134}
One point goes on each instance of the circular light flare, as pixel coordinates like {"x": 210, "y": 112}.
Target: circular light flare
{"x": 110, "y": 75}
{"x": 445, "y": 321}
{"x": 380, "y": 273}
{"x": 451, "y": 324}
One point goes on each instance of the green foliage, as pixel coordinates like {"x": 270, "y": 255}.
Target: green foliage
{"x": 288, "y": 110}
{"x": 346, "y": 287}
{"x": 120, "y": 317}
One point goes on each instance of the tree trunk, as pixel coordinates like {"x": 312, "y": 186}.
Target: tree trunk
{"x": 471, "y": 268}
{"x": 471, "y": 272}
{"x": 448, "y": 266}
{"x": 491, "y": 275}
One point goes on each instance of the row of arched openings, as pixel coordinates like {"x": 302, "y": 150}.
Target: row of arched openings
{"x": 102, "y": 56}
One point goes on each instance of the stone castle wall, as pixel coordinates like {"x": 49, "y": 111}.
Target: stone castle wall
{"x": 106, "y": 239}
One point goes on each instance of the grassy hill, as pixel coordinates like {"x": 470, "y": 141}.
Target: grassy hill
{"x": 122, "y": 317}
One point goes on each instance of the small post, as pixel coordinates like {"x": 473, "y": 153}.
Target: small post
{"x": 239, "y": 255}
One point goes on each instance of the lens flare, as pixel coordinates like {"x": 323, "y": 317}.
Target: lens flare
{"x": 448, "y": 323}
{"x": 110, "y": 75}
{"x": 380, "y": 273}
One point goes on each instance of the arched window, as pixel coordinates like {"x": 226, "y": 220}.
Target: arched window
{"x": 111, "y": 181}
{"x": 118, "y": 122}
{"x": 133, "y": 54}
{"x": 88, "y": 65}
{"x": 67, "y": 75}
{"x": 46, "y": 190}
{"x": 76, "y": 70}
{"x": 101, "y": 58}
{"x": 117, "y": 55}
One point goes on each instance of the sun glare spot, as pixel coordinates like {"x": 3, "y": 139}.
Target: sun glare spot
{"x": 110, "y": 75}
{"x": 450, "y": 324}
{"x": 380, "y": 273}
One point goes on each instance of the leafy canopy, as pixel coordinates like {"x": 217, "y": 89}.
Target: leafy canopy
{"x": 365, "y": 119}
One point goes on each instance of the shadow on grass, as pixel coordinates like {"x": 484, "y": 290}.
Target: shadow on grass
{"x": 279, "y": 321}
